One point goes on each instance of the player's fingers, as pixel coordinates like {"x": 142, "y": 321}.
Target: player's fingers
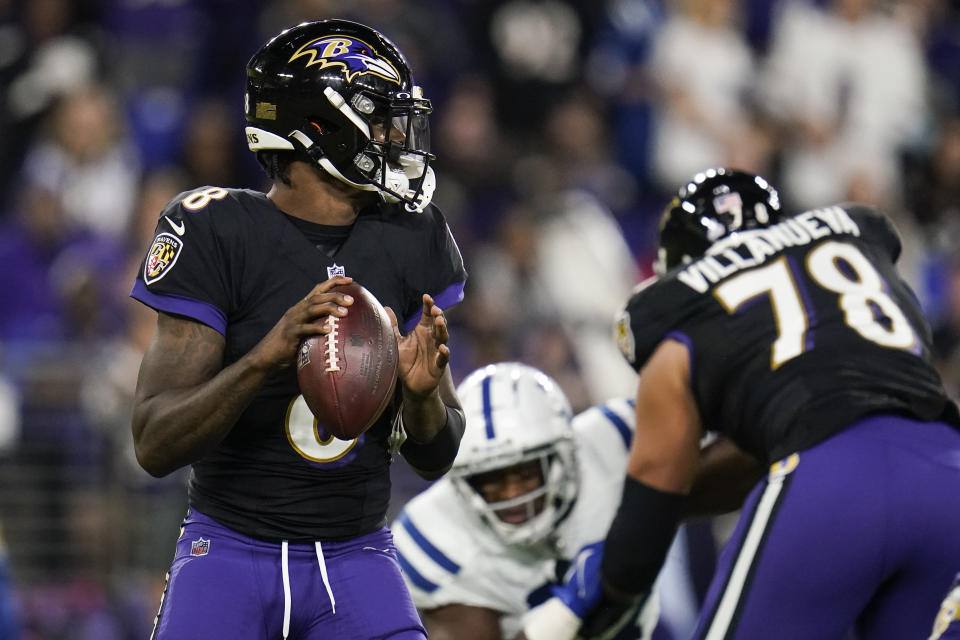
{"x": 427, "y": 313}
{"x": 314, "y": 298}
{"x": 443, "y": 356}
{"x": 393, "y": 321}
{"x": 326, "y": 285}
{"x": 317, "y": 312}
{"x": 440, "y": 331}
{"x": 320, "y": 326}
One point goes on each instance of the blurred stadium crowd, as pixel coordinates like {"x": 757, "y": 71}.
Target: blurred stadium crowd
{"x": 560, "y": 127}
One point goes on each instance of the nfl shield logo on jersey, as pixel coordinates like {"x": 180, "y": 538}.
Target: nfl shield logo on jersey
{"x": 336, "y": 270}
{"x": 199, "y": 547}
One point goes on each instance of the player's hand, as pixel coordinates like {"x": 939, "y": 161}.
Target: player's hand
{"x": 279, "y": 347}
{"x": 607, "y": 618}
{"x": 582, "y": 593}
{"x": 581, "y": 588}
{"x": 423, "y": 353}
{"x": 561, "y": 617}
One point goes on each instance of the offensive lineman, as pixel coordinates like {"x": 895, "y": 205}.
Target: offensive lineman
{"x": 795, "y": 337}
{"x": 285, "y": 535}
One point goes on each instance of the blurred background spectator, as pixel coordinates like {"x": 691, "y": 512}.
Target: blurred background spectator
{"x": 83, "y": 158}
{"x": 847, "y": 84}
{"x": 560, "y": 128}
{"x": 704, "y": 73}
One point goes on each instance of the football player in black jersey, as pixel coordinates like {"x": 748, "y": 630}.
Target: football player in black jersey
{"x": 795, "y": 337}
{"x": 285, "y": 535}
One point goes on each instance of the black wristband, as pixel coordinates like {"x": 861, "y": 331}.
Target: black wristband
{"x": 438, "y": 454}
{"x": 640, "y": 536}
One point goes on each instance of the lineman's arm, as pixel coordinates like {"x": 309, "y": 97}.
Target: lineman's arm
{"x": 661, "y": 470}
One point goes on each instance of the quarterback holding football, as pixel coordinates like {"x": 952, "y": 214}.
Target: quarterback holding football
{"x": 285, "y": 536}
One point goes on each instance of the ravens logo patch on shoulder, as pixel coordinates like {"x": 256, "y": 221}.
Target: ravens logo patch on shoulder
{"x": 162, "y": 256}
{"x": 623, "y": 334}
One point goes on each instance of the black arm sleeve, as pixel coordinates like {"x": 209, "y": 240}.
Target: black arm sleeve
{"x": 639, "y": 538}
{"x": 436, "y": 456}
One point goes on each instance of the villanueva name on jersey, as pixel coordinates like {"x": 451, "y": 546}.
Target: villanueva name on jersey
{"x": 745, "y": 249}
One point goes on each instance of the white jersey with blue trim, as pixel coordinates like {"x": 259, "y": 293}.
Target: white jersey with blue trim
{"x": 450, "y": 556}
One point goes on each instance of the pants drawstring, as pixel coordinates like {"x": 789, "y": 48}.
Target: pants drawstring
{"x": 323, "y": 574}
{"x": 285, "y": 568}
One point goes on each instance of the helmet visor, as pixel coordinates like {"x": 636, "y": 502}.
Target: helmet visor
{"x": 412, "y": 126}
{"x": 402, "y": 133}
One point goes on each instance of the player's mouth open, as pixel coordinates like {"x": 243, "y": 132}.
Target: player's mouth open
{"x": 515, "y": 515}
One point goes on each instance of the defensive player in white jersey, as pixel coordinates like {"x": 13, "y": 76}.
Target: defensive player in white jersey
{"x": 533, "y": 489}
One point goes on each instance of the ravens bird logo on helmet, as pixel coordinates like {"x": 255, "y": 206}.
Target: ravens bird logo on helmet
{"x": 355, "y": 56}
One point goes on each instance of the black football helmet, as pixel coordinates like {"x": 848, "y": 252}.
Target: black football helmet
{"x": 714, "y": 204}
{"x": 343, "y": 94}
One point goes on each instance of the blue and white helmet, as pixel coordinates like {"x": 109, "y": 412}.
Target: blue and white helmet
{"x": 514, "y": 414}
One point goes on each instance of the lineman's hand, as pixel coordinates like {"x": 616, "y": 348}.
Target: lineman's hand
{"x": 607, "y": 618}
{"x": 278, "y": 349}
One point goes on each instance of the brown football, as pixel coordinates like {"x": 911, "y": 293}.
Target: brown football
{"x": 347, "y": 376}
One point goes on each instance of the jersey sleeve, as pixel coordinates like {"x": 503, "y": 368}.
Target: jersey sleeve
{"x": 185, "y": 270}
{"x": 441, "y": 561}
{"x": 441, "y": 274}
{"x": 876, "y": 228}
{"x": 651, "y": 315}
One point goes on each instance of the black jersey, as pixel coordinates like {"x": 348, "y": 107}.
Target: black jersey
{"x": 794, "y": 331}
{"x": 230, "y": 259}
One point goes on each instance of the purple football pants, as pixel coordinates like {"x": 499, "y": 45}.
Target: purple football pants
{"x": 225, "y": 585}
{"x": 859, "y": 532}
